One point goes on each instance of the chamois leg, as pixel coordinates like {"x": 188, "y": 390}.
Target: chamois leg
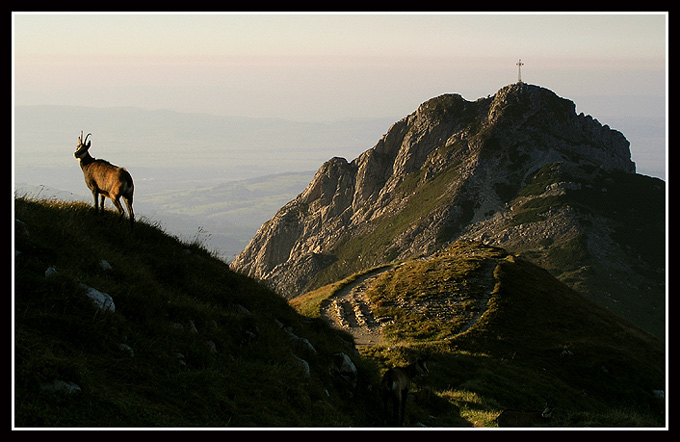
{"x": 95, "y": 194}
{"x": 119, "y": 206}
{"x": 131, "y": 213}
{"x": 386, "y": 400}
{"x": 395, "y": 410}
{"x": 395, "y": 403}
{"x": 389, "y": 407}
{"x": 402, "y": 407}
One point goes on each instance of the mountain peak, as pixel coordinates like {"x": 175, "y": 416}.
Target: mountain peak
{"x": 532, "y": 98}
{"x": 435, "y": 175}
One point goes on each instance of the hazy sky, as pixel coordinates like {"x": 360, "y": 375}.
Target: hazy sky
{"x": 317, "y": 66}
{"x": 334, "y": 66}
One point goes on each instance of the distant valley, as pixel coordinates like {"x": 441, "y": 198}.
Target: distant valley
{"x": 226, "y": 216}
{"x": 222, "y": 217}
{"x": 214, "y": 179}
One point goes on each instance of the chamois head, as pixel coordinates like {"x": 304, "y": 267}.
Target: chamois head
{"x": 83, "y": 146}
{"x": 421, "y": 367}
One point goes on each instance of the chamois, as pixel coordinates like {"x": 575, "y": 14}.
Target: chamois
{"x": 516, "y": 418}
{"x": 395, "y": 385}
{"x": 105, "y": 180}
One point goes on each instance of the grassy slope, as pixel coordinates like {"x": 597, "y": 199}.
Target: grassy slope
{"x": 171, "y": 298}
{"x": 511, "y": 358}
{"x": 537, "y": 339}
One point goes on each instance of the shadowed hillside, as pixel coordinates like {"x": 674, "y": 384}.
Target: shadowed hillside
{"x": 120, "y": 330}
{"x": 500, "y": 332}
{"x": 179, "y": 340}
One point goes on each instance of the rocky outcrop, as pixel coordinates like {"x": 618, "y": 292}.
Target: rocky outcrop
{"x": 452, "y": 169}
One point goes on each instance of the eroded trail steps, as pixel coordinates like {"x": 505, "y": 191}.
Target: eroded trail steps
{"x": 449, "y": 290}
{"x": 350, "y": 310}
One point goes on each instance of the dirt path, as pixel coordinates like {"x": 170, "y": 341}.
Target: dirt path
{"x": 350, "y": 310}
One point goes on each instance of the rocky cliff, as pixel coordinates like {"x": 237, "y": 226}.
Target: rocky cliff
{"x": 519, "y": 169}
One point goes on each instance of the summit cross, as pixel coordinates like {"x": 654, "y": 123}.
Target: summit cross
{"x": 519, "y": 70}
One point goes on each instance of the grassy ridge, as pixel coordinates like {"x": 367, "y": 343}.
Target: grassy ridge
{"x": 190, "y": 342}
{"x": 534, "y": 339}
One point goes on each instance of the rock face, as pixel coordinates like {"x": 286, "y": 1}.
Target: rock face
{"x": 453, "y": 169}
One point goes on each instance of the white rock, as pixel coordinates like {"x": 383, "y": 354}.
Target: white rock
{"x": 50, "y": 272}
{"x": 59, "y": 386}
{"x": 304, "y": 365}
{"x": 104, "y": 264}
{"x": 102, "y": 300}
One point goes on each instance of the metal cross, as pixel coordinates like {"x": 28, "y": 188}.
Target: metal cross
{"x": 519, "y": 74}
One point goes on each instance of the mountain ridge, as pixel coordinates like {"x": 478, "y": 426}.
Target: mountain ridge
{"x": 444, "y": 171}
